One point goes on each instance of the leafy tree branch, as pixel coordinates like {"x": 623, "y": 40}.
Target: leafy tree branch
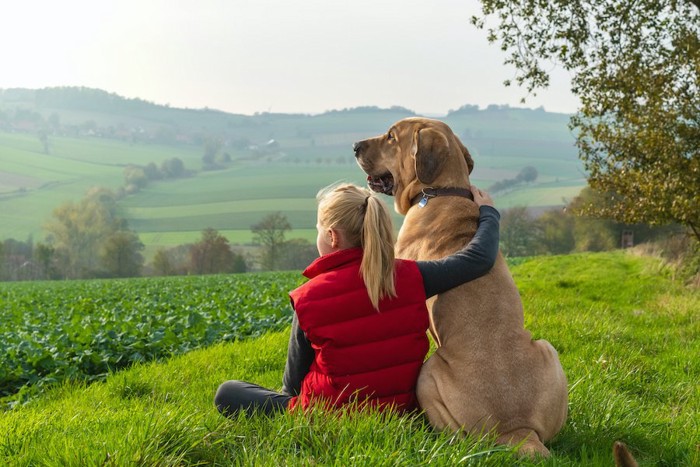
{"x": 634, "y": 66}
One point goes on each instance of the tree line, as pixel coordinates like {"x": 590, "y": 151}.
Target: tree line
{"x": 213, "y": 254}
{"x": 87, "y": 239}
{"x": 527, "y": 175}
{"x": 568, "y": 229}
{"x": 137, "y": 177}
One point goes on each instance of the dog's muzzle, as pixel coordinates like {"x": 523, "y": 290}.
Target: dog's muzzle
{"x": 383, "y": 183}
{"x": 359, "y": 148}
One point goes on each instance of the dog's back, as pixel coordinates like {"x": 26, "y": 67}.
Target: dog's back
{"x": 487, "y": 373}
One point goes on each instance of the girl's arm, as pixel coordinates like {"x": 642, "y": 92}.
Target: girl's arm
{"x": 300, "y": 355}
{"x": 469, "y": 263}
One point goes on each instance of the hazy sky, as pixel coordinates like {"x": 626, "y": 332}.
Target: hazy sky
{"x": 247, "y": 56}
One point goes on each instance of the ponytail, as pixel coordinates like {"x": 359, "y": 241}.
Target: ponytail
{"x": 366, "y": 222}
{"x": 377, "y": 266}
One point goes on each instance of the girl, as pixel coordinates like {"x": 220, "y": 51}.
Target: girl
{"x": 359, "y": 328}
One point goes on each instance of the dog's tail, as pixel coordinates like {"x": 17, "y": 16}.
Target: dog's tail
{"x": 623, "y": 458}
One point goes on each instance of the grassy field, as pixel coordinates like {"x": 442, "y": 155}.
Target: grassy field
{"x": 627, "y": 335}
{"x": 313, "y": 151}
{"x": 33, "y": 184}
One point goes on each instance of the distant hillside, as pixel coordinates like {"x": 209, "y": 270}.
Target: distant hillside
{"x": 74, "y": 111}
{"x": 56, "y": 143}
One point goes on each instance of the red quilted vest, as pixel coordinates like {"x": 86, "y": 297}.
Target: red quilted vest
{"x": 362, "y": 355}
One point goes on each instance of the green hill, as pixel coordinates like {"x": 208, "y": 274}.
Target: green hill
{"x": 625, "y": 331}
{"x": 57, "y": 143}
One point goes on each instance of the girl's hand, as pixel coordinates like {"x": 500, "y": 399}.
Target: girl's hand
{"x": 481, "y": 198}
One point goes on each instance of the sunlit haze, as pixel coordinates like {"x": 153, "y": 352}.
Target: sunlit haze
{"x": 248, "y": 56}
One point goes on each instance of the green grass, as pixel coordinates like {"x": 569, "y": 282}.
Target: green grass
{"x": 240, "y": 237}
{"x": 33, "y": 184}
{"x": 627, "y": 337}
{"x": 550, "y": 194}
{"x": 234, "y": 200}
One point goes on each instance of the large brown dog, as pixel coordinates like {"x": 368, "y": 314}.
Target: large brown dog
{"x": 487, "y": 374}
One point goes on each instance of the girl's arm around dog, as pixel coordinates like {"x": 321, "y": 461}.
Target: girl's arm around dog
{"x": 471, "y": 262}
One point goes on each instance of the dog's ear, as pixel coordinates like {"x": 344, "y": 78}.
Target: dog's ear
{"x": 467, "y": 157}
{"x": 431, "y": 152}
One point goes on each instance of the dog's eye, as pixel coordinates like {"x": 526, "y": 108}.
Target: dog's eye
{"x": 390, "y": 136}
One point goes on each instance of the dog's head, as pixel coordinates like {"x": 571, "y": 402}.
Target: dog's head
{"x": 415, "y": 153}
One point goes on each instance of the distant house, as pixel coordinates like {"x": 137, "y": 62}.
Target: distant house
{"x": 24, "y": 125}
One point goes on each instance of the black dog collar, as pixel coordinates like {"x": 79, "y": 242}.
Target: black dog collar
{"x": 427, "y": 193}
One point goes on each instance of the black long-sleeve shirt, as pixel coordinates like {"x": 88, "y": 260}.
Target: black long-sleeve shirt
{"x": 439, "y": 276}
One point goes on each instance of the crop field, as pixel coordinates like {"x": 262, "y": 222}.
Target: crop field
{"x": 626, "y": 333}
{"x": 52, "y": 331}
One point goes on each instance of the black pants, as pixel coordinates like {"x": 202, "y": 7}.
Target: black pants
{"x": 234, "y": 396}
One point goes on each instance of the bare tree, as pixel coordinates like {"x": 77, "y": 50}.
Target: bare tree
{"x": 270, "y": 233}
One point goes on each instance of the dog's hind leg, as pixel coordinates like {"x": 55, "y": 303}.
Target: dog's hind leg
{"x": 430, "y": 399}
{"x": 527, "y": 441}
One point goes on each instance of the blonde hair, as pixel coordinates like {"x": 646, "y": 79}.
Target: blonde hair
{"x": 365, "y": 222}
